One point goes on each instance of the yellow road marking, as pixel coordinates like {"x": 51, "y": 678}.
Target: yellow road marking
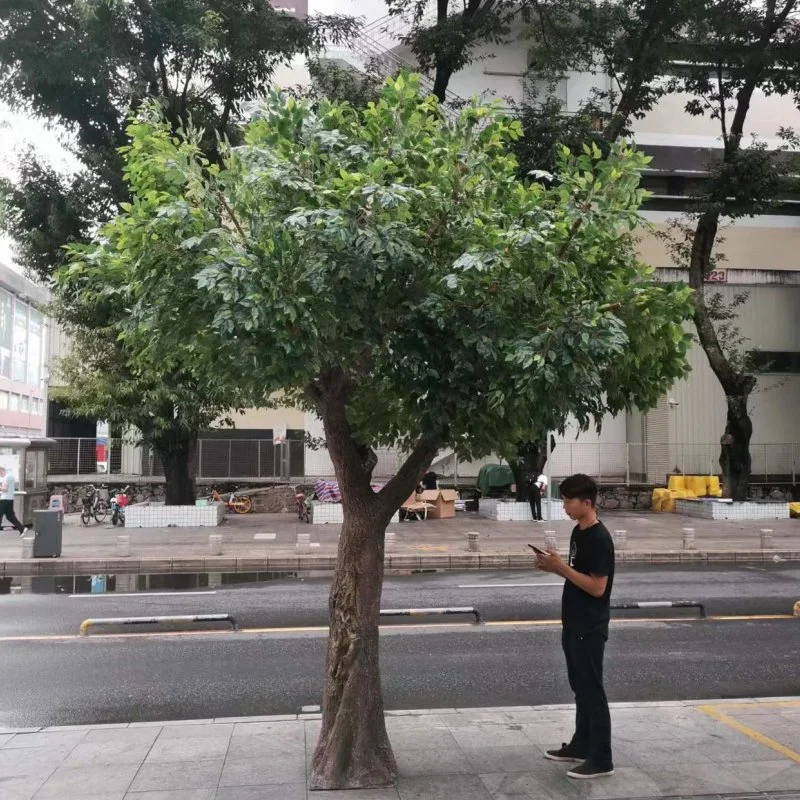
{"x": 528, "y": 623}
{"x": 715, "y": 713}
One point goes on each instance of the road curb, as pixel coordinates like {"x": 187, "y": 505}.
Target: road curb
{"x": 393, "y": 563}
{"x": 418, "y": 712}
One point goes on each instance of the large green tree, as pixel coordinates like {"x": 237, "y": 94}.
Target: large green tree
{"x": 386, "y": 268}
{"x": 721, "y": 56}
{"x": 84, "y": 65}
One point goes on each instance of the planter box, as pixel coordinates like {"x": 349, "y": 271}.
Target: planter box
{"x": 713, "y": 509}
{"x": 152, "y": 516}
{"x": 324, "y": 513}
{"x": 519, "y": 512}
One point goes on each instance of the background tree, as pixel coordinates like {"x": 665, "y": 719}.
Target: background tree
{"x": 387, "y": 269}
{"x": 84, "y": 65}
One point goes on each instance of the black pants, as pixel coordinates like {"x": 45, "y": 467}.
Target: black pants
{"x": 584, "y": 654}
{"x": 535, "y": 499}
{"x": 7, "y": 511}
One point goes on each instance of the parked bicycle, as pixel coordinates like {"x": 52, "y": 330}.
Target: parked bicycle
{"x": 238, "y": 503}
{"x": 94, "y": 504}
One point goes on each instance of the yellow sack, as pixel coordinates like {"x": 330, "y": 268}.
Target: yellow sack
{"x": 668, "y": 505}
{"x": 677, "y": 483}
{"x": 697, "y": 483}
{"x": 658, "y": 499}
{"x": 794, "y": 510}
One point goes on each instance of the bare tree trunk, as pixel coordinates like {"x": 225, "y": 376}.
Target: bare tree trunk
{"x": 735, "y": 456}
{"x": 177, "y": 449}
{"x": 353, "y": 751}
{"x": 531, "y": 460}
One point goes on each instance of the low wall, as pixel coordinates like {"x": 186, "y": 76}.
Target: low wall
{"x": 148, "y": 516}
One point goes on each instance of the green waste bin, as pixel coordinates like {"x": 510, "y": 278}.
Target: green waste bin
{"x": 47, "y": 530}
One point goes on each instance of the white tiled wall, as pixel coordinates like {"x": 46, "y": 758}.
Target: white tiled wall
{"x": 323, "y": 513}
{"x": 712, "y": 510}
{"x": 518, "y": 512}
{"x": 159, "y": 516}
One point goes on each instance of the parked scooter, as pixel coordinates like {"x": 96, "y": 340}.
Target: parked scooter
{"x": 118, "y": 505}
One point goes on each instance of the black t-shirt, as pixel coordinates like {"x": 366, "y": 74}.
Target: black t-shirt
{"x": 591, "y": 551}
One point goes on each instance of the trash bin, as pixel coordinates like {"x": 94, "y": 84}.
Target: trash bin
{"x": 47, "y": 527}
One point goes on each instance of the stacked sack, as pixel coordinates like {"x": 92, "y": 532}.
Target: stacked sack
{"x": 685, "y": 487}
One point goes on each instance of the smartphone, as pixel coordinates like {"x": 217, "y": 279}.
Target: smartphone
{"x": 537, "y": 550}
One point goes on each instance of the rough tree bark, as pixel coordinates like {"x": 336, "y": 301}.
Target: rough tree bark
{"x": 531, "y": 460}
{"x": 353, "y": 750}
{"x": 177, "y": 448}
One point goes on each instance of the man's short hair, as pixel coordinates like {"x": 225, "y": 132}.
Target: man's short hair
{"x": 579, "y": 487}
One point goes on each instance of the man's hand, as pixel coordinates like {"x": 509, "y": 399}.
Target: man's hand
{"x": 552, "y": 562}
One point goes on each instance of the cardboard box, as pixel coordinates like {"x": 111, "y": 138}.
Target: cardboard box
{"x": 443, "y": 502}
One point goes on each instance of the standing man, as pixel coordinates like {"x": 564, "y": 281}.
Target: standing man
{"x": 7, "y": 488}
{"x": 585, "y": 612}
{"x": 537, "y": 488}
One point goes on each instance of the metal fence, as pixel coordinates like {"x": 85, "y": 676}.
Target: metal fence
{"x": 239, "y": 459}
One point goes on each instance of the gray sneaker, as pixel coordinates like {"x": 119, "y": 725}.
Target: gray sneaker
{"x": 565, "y": 753}
{"x": 588, "y": 771}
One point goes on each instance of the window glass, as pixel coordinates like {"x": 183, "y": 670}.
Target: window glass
{"x": 6, "y": 334}
{"x": 19, "y": 357}
{"x": 35, "y": 334}
{"x": 14, "y": 404}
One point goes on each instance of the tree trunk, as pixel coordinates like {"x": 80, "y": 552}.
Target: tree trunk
{"x": 735, "y": 456}
{"x": 177, "y": 449}
{"x": 353, "y": 751}
{"x": 530, "y": 461}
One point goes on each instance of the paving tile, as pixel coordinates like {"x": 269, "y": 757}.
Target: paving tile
{"x": 63, "y": 740}
{"x": 267, "y": 746}
{"x": 356, "y": 794}
{"x": 178, "y": 775}
{"x": 253, "y": 771}
{"x": 680, "y": 750}
{"x": 5, "y": 738}
{"x": 171, "y": 750}
{"x": 221, "y": 731}
{"x": 785, "y": 779}
{"x": 510, "y": 759}
{"x": 678, "y": 779}
{"x": 432, "y": 762}
{"x": 442, "y": 787}
{"x": 282, "y": 729}
{"x": 550, "y": 783}
{"x": 82, "y": 782}
{"x": 476, "y": 736}
{"x": 625, "y": 782}
{"x": 133, "y": 737}
{"x": 21, "y": 787}
{"x": 277, "y": 791}
{"x": 546, "y": 734}
{"x": 421, "y": 738}
{"x": 29, "y": 762}
{"x": 177, "y": 794}
{"x": 95, "y": 754}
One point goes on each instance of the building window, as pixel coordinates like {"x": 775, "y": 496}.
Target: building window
{"x": 3, "y": 401}
{"x": 35, "y": 340}
{"x": 6, "y": 333}
{"x": 19, "y": 357}
{"x": 24, "y": 404}
{"x": 14, "y": 404}
{"x": 776, "y": 362}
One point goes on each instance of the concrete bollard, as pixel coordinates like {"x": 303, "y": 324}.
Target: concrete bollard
{"x": 620, "y": 540}
{"x": 215, "y": 544}
{"x": 473, "y": 545}
{"x": 27, "y": 546}
{"x": 123, "y": 545}
{"x": 796, "y": 609}
{"x": 391, "y": 539}
{"x": 767, "y": 542}
{"x": 688, "y": 538}
{"x": 303, "y": 543}
{"x": 550, "y": 541}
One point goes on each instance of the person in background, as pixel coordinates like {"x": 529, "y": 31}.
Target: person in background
{"x": 8, "y": 486}
{"x": 537, "y": 488}
{"x": 430, "y": 480}
{"x": 585, "y": 613}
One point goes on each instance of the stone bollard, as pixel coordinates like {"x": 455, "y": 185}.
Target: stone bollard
{"x": 27, "y": 546}
{"x": 215, "y": 544}
{"x": 620, "y": 540}
{"x": 391, "y": 539}
{"x": 550, "y": 541}
{"x": 123, "y": 545}
{"x": 303, "y": 543}
{"x": 796, "y": 609}
{"x": 473, "y": 544}
{"x": 767, "y": 542}
{"x": 688, "y": 538}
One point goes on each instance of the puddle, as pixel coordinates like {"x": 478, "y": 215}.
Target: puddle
{"x": 119, "y": 584}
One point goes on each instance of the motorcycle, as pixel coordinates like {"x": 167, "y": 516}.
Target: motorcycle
{"x": 118, "y": 505}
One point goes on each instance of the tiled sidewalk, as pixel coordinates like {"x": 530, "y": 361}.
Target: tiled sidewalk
{"x": 744, "y": 749}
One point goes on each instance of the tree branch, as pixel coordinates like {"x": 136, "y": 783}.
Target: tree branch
{"x": 405, "y": 481}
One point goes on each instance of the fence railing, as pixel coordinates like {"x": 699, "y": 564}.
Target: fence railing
{"x": 239, "y": 459}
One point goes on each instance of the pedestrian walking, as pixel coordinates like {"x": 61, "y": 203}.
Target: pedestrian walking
{"x": 585, "y": 613}
{"x": 8, "y": 486}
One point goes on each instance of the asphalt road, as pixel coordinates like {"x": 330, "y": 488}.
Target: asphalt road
{"x": 66, "y": 680}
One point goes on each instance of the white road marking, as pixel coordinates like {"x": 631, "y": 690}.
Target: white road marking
{"x": 137, "y": 594}
{"x": 310, "y": 709}
{"x": 270, "y": 537}
{"x": 505, "y": 585}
